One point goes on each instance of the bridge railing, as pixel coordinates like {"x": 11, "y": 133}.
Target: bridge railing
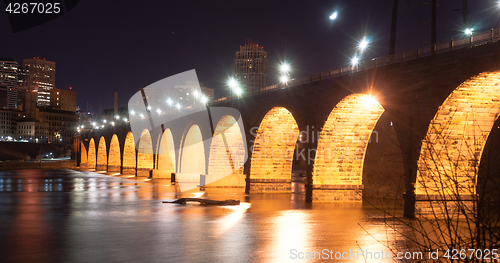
{"x": 441, "y": 47}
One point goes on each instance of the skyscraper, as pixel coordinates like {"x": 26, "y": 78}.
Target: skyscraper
{"x": 8, "y": 80}
{"x": 42, "y": 74}
{"x": 250, "y": 67}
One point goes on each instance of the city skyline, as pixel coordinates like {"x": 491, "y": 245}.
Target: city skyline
{"x": 99, "y": 48}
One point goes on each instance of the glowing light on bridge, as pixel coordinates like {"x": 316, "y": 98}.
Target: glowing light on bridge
{"x": 363, "y": 44}
{"x": 192, "y": 160}
{"x": 284, "y": 68}
{"x": 102, "y": 156}
{"x": 114, "y": 161}
{"x": 343, "y": 141}
{"x": 169, "y": 101}
{"x": 354, "y": 61}
{"x": 129, "y": 161}
{"x": 204, "y": 100}
{"x": 272, "y": 153}
{"x": 91, "y": 160}
{"x": 284, "y": 79}
{"x": 469, "y": 31}
{"x": 227, "y": 152}
{"x": 451, "y": 151}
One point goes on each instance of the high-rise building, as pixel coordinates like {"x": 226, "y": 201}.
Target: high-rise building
{"x": 63, "y": 99}
{"x": 23, "y": 75}
{"x": 250, "y": 67}
{"x": 42, "y": 74}
{"x": 8, "y": 79}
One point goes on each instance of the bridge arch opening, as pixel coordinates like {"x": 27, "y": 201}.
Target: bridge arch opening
{"x": 227, "y": 154}
{"x": 114, "y": 155}
{"x": 192, "y": 160}
{"x": 342, "y": 146}
{"x": 102, "y": 155}
{"x": 166, "y": 155}
{"x": 91, "y": 161}
{"x": 83, "y": 156}
{"x": 272, "y": 152}
{"x": 145, "y": 159}
{"x": 452, "y": 148}
{"x": 129, "y": 158}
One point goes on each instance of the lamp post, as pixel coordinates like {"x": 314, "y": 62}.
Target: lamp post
{"x": 284, "y": 73}
{"x": 469, "y": 31}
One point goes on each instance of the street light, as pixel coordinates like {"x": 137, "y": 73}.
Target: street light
{"x": 284, "y": 73}
{"x": 363, "y": 44}
{"x": 468, "y": 31}
{"x": 284, "y": 68}
{"x": 355, "y": 61}
{"x": 234, "y": 87}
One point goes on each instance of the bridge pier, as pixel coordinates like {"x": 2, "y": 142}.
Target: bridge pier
{"x": 270, "y": 186}
{"x": 334, "y": 193}
{"x": 143, "y": 172}
{"x": 114, "y": 168}
{"x": 448, "y": 206}
{"x": 128, "y": 170}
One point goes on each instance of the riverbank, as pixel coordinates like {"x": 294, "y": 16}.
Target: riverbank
{"x": 44, "y": 164}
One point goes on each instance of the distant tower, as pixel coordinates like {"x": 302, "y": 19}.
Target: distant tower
{"x": 42, "y": 74}
{"x": 250, "y": 67}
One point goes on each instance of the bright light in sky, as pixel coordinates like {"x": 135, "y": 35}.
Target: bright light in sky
{"x": 334, "y": 15}
{"x": 284, "y": 79}
{"x": 169, "y": 101}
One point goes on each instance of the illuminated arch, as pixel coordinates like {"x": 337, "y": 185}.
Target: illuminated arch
{"x": 83, "y": 156}
{"x": 145, "y": 160}
{"x": 114, "y": 155}
{"x": 129, "y": 161}
{"x": 192, "y": 159}
{"x": 91, "y": 161}
{"x": 452, "y": 149}
{"x": 102, "y": 155}
{"x": 166, "y": 155}
{"x": 272, "y": 153}
{"x": 343, "y": 141}
{"x": 227, "y": 153}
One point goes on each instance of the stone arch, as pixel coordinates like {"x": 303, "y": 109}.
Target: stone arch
{"x": 452, "y": 148}
{"x": 145, "y": 159}
{"x": 102, "y": 155}
{"x": 91, "y": 160}
{"x": 340, "y": 155}
{"x": 272, "y": 152}
{"x": 129, "y": 157}
{"x": 227, "y": 154}
{"x": 83, "y": 156}
{"x": 166, "y": 155}
{"x": 192, "y": 152}
{"x": 114, "y": 155}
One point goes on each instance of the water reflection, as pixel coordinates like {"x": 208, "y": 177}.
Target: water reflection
{"x": 71, "y": 216}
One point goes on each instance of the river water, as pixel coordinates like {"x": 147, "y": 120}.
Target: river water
{"x": 75, "y": 216}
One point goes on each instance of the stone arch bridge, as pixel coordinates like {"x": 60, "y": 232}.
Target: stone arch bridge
{"x": 437, "y": 110}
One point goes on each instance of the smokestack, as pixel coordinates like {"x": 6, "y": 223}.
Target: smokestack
{"x": 116, "y": 103}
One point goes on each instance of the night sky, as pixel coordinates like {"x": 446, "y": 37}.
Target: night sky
{"x": 105, "y": 46}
